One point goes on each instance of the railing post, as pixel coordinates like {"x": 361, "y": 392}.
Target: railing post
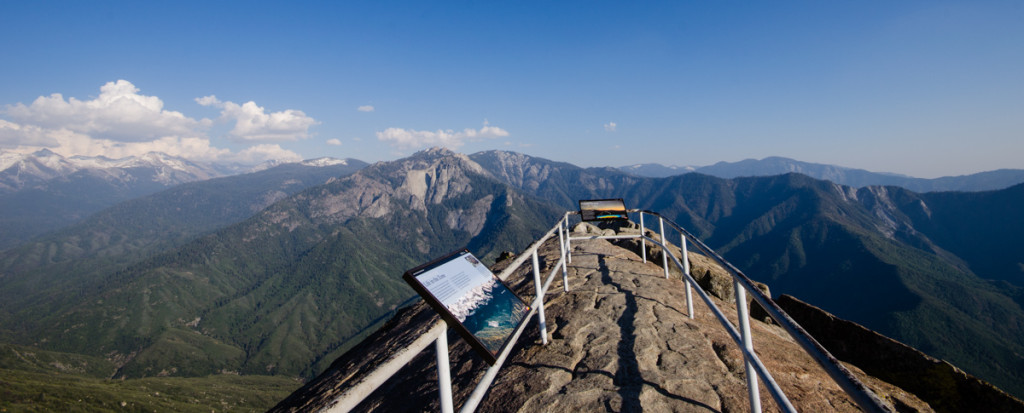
{"x": 643, "y": 242}
{"x": 540, "y": 296}
{"x": 686, "y": 279}
{"x": 664, "y": 246}
{"x": 561, "y": 246}
{"x": 741, "y": 308}
{"x": 444, "y": 376}
{"x": 568, "y": 241}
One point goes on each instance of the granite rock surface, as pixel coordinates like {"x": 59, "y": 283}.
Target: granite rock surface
{"x": 620, "y": 339}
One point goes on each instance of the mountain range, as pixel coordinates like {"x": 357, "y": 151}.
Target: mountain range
{"x": 269, "y": 273}
{"x": 152, "y": 224}
{"x": 982, "y": 181}
{"x": 273, "y": 294}
{"x": 656, "y": 170}
{"x": 939, "y": 271}
{"x": 43, "y": 191}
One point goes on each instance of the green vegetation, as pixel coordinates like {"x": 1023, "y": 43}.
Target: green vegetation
{"x": 282, "y": 293}
{"x": 24, "y": 391}
{"x": 38, "y": 380}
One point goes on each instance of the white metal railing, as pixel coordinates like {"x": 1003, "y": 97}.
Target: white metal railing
{"x": 863, "y": 396}
{"x": 355, "y": 394}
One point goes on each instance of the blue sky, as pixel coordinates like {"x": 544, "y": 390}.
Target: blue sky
{"x": 927, "y": 88}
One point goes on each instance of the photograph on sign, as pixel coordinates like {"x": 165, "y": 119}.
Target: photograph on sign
{"x": 603, "y": 209}
{"x": 472, "y": 299}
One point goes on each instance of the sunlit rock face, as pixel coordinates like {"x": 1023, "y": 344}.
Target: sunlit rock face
{"x": 425, "y": 179}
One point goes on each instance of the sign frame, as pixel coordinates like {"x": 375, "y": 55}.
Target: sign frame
{"x": 611, "y": 209}
{"x": 436, "y": 274}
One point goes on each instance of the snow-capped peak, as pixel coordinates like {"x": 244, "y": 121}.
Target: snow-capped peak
{"x": 44, "y": 165}
{"x": 9, "y": 159}
{"x": 325, "y": 161}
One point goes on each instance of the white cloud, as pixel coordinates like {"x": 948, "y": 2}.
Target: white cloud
{"x": 262, "y": 153}
{"x": 334, "y": 142}
{"x": 209, "y": 101}
{"x": 13, "y": 135}
{"x": 194, "y": 148}
{"x": 120, "y": 122}
{"x": 254, "y": 124}
{"x": 119, "y": 113}
{"x": 414, "y": 139}
{"x": 610, "y": 126}
{"x": 366, "y": 108}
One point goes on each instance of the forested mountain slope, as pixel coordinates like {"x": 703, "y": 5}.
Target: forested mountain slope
{"x": 282, "y": 290}
{"x": 170, "y": 217}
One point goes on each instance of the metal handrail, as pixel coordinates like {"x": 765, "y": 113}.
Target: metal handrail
{"x": 863, "y": 396}
{"x": 743, "y": 339}
{"x": 437, "y": 333}
{"x": 351, "y": 397}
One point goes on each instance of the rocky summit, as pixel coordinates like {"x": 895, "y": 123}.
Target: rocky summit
{"x": 619, "y": 340}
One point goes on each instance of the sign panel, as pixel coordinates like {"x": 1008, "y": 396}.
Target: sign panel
{"x": 472, "y": 299}
{"x": 603, "y": 209}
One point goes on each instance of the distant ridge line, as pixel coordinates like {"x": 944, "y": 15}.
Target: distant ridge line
{"x": 775, "y": 165}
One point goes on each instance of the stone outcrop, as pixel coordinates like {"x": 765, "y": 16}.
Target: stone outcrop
{"x": 942, "y": 385}
{"x": 620, "y": 340}
{"x": 710, "y": 276}
{"x": 423, "y": 180}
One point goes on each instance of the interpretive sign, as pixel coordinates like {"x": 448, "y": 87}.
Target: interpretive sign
{"x": 603, "y": 209}
{"x": 472, "y": 299}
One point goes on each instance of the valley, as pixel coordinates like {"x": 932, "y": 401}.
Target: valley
{"x": 276, "y": 273}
